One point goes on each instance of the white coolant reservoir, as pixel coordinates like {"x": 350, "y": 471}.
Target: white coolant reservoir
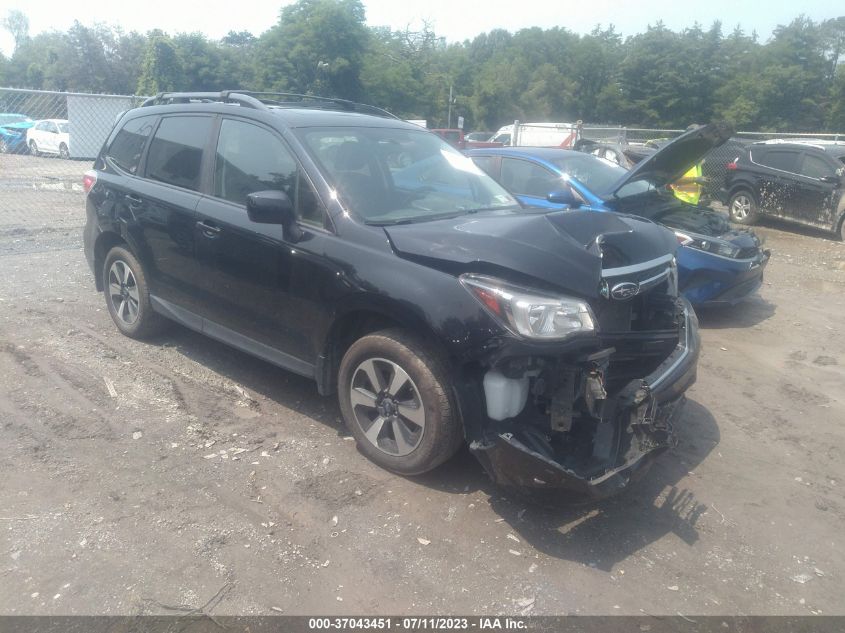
{"x": 505, "y": 397}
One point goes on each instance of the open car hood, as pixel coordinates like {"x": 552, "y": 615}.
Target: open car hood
{"x": 672, "y": 161}
{"x": 565, "y": 249}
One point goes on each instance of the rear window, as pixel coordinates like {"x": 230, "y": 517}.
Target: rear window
{"x": 125, "y": 149}
{"x": 175, "y": 155}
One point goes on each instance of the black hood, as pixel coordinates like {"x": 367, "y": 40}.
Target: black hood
{"x": 566, "y": 249}
{"x": 673, "y": 160}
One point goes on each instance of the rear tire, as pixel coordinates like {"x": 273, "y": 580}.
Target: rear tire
{"x": 742, "y": 207}
{"x": 128, "y": 295}
{"x": 4, "y": 147}
{"x": 64, "y": 152}
{"x": 395, "y": 396}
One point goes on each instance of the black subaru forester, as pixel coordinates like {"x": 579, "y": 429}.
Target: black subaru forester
{"x": 343, "y": 244}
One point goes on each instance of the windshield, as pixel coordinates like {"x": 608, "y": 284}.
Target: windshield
{"x": 387, "y": 175}
{"x": 6, "y": 119}
{"x": 599, "y": 175}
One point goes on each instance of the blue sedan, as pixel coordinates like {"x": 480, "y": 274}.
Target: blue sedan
{"x": 717, "y": 264}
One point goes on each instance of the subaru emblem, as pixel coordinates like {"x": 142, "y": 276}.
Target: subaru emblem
{"x": 625, "y": 290}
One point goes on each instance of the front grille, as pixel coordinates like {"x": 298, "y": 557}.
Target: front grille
{"x": 652, "y": 308}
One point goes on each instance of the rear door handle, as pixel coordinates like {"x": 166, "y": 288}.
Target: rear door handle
{"x": 134, "y": 201}
{"x": 209, "y": 230}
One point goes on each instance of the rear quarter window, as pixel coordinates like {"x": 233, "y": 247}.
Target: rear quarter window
{"x": 125, "y": 150}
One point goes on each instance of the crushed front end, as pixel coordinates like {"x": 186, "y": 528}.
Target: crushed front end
{"x": 588, "y": 414}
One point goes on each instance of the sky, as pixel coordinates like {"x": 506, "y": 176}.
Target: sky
{"x": 456, "y": 20}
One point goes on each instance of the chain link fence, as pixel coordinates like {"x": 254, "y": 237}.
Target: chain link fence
{"x": 47, "y": 142}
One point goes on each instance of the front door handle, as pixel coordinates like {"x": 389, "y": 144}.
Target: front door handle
{"x": 209, "y": 230}
{"x": 134, "y": 201}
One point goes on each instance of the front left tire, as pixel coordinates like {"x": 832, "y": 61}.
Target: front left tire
{"x": 395, "y": 398}
{"x": 33, "y": 148}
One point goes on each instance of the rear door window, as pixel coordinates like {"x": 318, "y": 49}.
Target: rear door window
{"x": 520, "y": 176}
{"x": 175, "y": 155}
{"x": 783, "y": 160}
{"x": 487, "y": 163}
{"x": 125, "y": 150}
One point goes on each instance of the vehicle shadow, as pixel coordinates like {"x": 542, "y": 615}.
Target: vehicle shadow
{"x": 597, "y": 534}
{"x": 256, "y": 376}
{"x": 752, "y": 311}
{"x": 603, "y": 534}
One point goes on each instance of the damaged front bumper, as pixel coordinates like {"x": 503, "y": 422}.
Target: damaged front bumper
{"x": 638, "y": 419}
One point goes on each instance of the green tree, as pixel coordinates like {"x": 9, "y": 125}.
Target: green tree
{"x": 199, "y": 60}
{"x": 161, "y": 69}
{"x": 318, "y": 46}
{"x": 17, "y": 24}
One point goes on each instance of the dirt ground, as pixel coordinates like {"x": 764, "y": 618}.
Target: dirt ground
{"x": 141, "y": 476}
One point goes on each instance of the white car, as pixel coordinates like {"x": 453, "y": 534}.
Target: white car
{"x": 49, "y": 136}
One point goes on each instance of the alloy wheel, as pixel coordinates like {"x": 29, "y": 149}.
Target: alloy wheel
{"x": 387, "y": 406}
{"x": 741, "y": 207}
{"x": 123, "y": 292}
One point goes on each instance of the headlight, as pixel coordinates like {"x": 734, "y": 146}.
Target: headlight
{"x": 709, "y": 245}
{"x": 528, "y": 312}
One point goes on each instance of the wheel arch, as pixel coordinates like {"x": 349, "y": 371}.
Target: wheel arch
{"x": 106, "y": 241}
{"x": 357, "y": 320}
{"x": 743, "y": 186}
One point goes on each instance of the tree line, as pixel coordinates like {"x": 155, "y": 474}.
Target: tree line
{"x": 795, "y": 81}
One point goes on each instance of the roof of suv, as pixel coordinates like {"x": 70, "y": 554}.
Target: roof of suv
{"x": 296, "y": 109}
{"x": 835, "y": 148}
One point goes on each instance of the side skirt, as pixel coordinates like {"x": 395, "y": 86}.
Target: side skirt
{"x": 230, "y": 337}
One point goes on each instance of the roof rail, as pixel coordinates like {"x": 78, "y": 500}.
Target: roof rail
{"x": 296, "y": 100}
{"x": 265, "y": 100}
{"x": 225, "y": 96}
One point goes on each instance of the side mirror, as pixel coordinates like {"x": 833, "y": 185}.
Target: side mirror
{"x": 831, "y": 180}
{"x": 564, "y": 196}
{"x": 273, "y": 207}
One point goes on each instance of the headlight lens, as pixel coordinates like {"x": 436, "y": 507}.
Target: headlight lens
{"x": 710, "y": 245}
{"x": 529, "y": 313}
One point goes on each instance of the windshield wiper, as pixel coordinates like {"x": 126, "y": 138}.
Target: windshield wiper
{"x": 413, "y": 219}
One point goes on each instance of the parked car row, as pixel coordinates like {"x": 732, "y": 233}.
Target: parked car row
{"x": 20, "y": 134}
{"x": 372, "y": 256}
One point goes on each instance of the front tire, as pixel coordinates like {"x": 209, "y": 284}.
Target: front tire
{"x": 128, "y": 295}
{"x": 395, "y": 396}
{"x": 33, "y": 148}
{"x": 64, "y": 152}
{"x": 743, "y": 208}
{"x": 4, "y": 147}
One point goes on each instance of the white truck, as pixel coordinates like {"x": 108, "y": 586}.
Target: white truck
{"x": 538, "y": 134}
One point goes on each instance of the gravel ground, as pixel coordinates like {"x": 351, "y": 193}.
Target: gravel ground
{"x": 138, "y": 476}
